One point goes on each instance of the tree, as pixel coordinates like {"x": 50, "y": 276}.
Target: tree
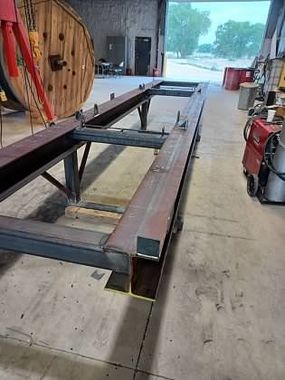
{"x": 205, "y": 48}
{"x": 238, "y": 39}
{"x": 185, "y": 26}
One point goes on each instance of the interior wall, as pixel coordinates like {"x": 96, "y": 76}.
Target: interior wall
{"x": 129, "y": 18}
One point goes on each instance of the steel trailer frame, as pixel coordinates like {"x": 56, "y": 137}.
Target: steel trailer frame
{"x": 135, "y": 251}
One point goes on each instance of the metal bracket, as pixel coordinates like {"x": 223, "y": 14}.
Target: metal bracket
{"x": 56, "y": 183}
{"x": 183, "y": 125}
{"x": 95, "y": 109}
{"x": 79, "y": 115}
{"x": 177, "y": 117}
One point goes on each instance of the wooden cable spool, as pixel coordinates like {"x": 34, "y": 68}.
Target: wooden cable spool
{"x": 67, "y": 65}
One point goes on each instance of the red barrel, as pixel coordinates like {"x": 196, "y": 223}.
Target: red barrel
{"x": 246, "y": 75}
{"x": 232, "y": 78}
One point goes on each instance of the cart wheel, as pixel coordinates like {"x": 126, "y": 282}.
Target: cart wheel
{"x": 252, "y": 185}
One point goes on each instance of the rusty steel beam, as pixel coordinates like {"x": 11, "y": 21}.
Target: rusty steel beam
{"x": 23, "y": 161}
{"x": 146, "y": 222}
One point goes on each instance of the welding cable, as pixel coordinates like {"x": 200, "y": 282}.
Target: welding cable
{"x": 248, "y": 125}
{"x": 257, "y": 110}
{"x": 33, "y": 19}
{"x": 35, "y": 99}
{"x": 30, "y": 14}
{"x": 269, "y": 154}
{"x": 27, "y": 82}
{"x": 1, "y": 127}
{"x": 246, "y": 129}
{"x": 256, "y": 114}
{"x": 31, "y": 26}
{"x": 27, "y": 14}
{"x": 28, "y": 98}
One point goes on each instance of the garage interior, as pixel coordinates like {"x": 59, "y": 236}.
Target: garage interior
{"x": 218, "y": 312}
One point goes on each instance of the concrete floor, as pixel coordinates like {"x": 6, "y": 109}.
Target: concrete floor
{"x": 221, "y": 305}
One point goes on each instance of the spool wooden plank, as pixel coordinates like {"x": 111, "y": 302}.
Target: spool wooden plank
{"x": 62, "y": 33}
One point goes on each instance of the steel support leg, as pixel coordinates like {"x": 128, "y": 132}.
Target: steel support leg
{"x": 72, "y": 177}
{"x": 143, "y": 112}
{"x": 84, "y": 160}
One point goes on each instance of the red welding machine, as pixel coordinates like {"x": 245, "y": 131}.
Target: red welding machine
{"x": 259, "y": 150}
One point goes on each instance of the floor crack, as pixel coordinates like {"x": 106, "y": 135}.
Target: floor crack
{"x": 142, "y": 343}
{"x": 47, "y": 368}
{"x": 59, "y": 350}
{"x": 219, "y": 234}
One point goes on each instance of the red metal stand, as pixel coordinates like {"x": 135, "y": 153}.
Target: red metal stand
{"x": 14, "y": 31}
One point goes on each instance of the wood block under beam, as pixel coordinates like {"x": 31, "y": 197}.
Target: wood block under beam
{"x": 90, "y": 215}
{"x": 105, "y": 199}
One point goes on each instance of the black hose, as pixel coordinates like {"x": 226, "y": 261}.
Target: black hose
{"x": 1, "y": 128}
{"x": 256, "y": 114}
{"x": 269, "y": 155}
{"x": 246, "y": 129}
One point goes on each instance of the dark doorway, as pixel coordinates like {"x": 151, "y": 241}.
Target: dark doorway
{"x": 142, "y": 55}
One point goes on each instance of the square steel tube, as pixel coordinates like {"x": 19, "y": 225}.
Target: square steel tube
{"x": 145, "y": 224}
{"x": 117, "y": 137}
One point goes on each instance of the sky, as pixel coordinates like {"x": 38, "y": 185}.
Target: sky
{"x": 220, "y": 13}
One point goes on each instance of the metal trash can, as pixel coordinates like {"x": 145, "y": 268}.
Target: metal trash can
{"x": 248, "y": 92}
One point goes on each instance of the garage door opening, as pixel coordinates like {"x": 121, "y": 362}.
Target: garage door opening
{"x": 203, "y": 38}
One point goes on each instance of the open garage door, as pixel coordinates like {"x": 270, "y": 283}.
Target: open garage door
{"x": 205, "y": 37}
